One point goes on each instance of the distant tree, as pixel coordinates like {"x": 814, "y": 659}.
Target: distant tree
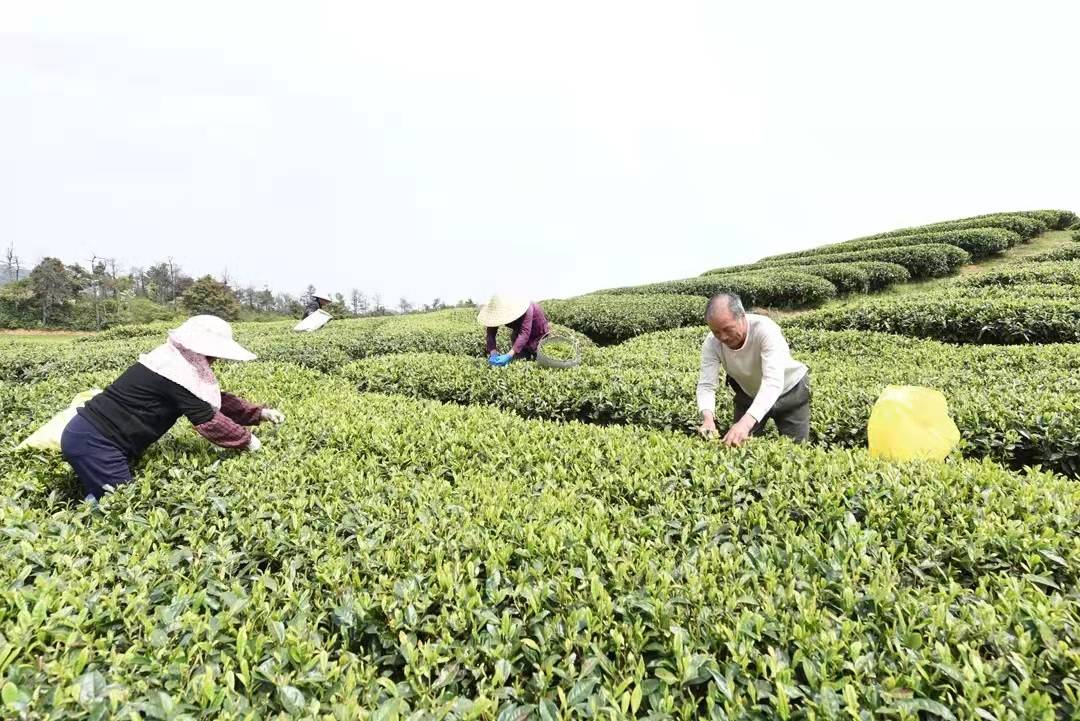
{"x": 12, "y": 262}
{"x": 338, "y": 310}
{"x": 80, "y": 278}
{"x": 99, "y": 287}
{"x": 18, "y": 295}
{"x": 286, "y": 304}
{"x": 404, "y": 305}
{"x": 264, "y": 300}
{"x": 138, "y": 282}
{"x": 123, "y": 290}
{"x": 158, "y": 283}
{"x": 307, "y": 296}
{"x": 210, "y": 297}
{"x": 181, "y": 283}
{"x": 166, "y": 281}
{"x": 359, "y": 302}
{"x": 114, "y": 280}
{"x": 98, "y": 293}
{"x": 53, "y": 285}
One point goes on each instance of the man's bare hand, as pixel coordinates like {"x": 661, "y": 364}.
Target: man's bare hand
{"x": 707, "y": 429}
{"x": 739, "y": 432}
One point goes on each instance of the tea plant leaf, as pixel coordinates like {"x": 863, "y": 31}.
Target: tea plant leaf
{"x": 292, "y": 699}
{"x": 923, "y": 705}
{"x": 92, "y": 687}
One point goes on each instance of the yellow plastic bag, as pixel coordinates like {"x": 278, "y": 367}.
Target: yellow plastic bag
{"x": 910, "y": 422}
{"x": 47, "y": 438}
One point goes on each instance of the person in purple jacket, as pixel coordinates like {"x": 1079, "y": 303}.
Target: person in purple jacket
{"x": 175, "y": 379}
{"x": 527, "y": 323}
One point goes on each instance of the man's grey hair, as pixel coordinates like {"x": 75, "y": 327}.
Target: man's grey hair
{"x": 733, "y": 302}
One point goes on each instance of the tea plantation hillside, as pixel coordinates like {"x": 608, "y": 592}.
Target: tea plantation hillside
{"x": 426, "y": 537}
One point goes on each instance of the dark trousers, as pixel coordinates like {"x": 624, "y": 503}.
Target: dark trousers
{"x": 790, "y": 413}
{"x": 99, "y": 463}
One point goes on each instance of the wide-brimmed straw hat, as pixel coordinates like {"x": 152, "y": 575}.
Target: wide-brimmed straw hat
{"x": 501, "y": 310}
{"x": 320, "y": 296}
{"x": 210, "y": 336}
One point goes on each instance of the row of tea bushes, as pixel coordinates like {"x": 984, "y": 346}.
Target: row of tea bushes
{"x": 453, "y": 331}
{"x": 958, "y": 317}
{"x": 608, "y": 319}
{"x": 780, "y": 289}
{"x": 980, "y": 243}
{"x": 1016, "y": 405}
{"x": 390, "y": 558}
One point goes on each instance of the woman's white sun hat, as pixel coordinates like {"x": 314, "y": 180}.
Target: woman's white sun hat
{"x": 210, "y": 336}
{"x": 501, "y": 310}
{"x": 320, "y": 296}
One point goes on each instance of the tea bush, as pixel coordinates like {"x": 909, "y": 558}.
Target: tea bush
{"x": 780, "y": 289}
{"x": 1053, "y": 219}
{"x": 980, "y": 235}
{"x": 452, "y": 331}
{"x": 1061, "y": 273}
{"x": 847, "y": 277}
{"x": 854, "y": 277}
{"x": 1011, "y": 292}
{"x": 126, "y": 332}
{"x": 1016, "y": 405}
{"x": 389, "y": 558}
{"x": 978, "y": 242}
{"x": 958, "y": 318}
{"x": 1019, "y": 221}
{"x": 932, "y": 260}
{"x": 920, "y": 261}
{"x": 28, "y": 362}
{"x": 879, "y": 275}
{"x": 1058, "y": 254}
{"x": 1024, "y": 224}
{"x": 610, "y": 319}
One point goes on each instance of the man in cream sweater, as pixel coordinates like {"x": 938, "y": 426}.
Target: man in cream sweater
{"x": 767, "y": 381}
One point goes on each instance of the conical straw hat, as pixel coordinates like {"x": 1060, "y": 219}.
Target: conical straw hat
{"x": 501, "y": 310}
{"x": 210, "y": 336}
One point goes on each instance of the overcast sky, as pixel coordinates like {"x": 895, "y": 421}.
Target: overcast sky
{"x": 454, "y": 149}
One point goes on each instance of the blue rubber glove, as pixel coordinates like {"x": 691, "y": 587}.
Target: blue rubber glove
{"x": 500, "y": 360}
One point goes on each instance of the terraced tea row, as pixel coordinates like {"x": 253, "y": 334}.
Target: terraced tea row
{"x": 1029, "y": 303}
{"x": 1028, "y": 223}
{"x": 413, "y": 560}
{"x": 980, "y": 237}
{"x": 453, "y": 331}
{"x": 783, "y": 289}
{"x": 1014, "y": 405}
{"x": 979, "y": 243}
